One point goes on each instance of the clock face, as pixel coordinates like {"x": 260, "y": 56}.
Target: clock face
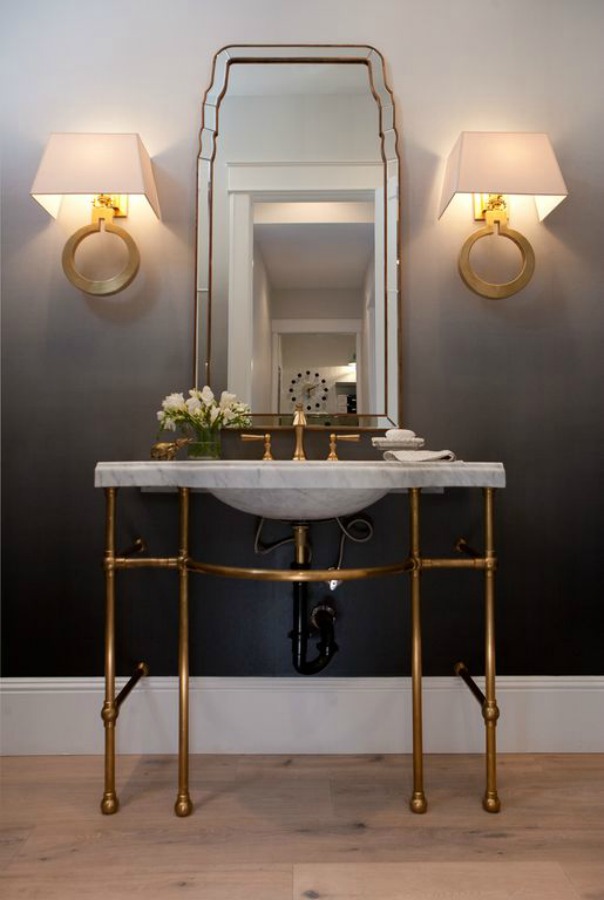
{"x": 310, "y": 389}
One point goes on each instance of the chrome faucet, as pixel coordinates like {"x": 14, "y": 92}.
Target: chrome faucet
{"x": 299, "y": 423}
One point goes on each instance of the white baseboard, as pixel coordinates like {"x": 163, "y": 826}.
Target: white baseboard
{"x": 303, "y": 715}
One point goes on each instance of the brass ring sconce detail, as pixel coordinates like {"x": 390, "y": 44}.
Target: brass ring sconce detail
{"x": 506, "y": 289}
{"x": 112, "y": 285}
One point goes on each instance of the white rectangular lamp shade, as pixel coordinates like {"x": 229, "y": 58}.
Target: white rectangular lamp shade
{"x": 93, "y": 164}
{"x": 491, "y": 162}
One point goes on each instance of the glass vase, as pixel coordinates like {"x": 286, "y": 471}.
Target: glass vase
{"x": 205, "y": 444}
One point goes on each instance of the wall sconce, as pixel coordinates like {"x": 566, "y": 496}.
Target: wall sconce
{"x": 492, "y": 165}
{"x": 110, "y": 167}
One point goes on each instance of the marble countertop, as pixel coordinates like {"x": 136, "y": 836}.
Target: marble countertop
{"x": 310, "y": 475}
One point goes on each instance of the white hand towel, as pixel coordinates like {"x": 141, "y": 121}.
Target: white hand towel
{"x": 399, "y": 434}
{"x": 420, "y": 456}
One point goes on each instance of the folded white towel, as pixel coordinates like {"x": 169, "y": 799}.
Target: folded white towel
{"x": 399, "y": 434}
{"x": 419, "y": 456}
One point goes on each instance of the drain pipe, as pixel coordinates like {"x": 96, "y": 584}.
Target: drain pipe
{"x": 322, "y": 616}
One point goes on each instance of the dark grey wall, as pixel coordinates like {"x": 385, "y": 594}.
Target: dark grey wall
{"x": 519, "y": 380}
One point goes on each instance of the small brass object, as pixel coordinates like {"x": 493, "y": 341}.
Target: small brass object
{"x": 268, "y": 456}
{"x": 166, "y": 450}
{"x": 109, "y": 206}
{"x": 334, "y": 438}
{"x": 299, "y": 423}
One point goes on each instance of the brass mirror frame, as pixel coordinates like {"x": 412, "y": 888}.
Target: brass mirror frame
{"x": 275, "y": 54}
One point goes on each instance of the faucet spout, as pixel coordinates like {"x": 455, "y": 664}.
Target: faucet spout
{"x": 299, "y": 424}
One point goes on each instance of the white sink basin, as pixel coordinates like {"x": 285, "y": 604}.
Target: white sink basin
{"x": 298, "y": 491}
{"x": 299, "y": 505}
{"x": 295, "y": 491}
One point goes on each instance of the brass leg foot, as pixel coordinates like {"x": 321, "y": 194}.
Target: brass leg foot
{"x": 418, "y": 803}
{"x": 491, "y": 802}
{"x": 183, "y": 806}
{"x": 109, "y": 804}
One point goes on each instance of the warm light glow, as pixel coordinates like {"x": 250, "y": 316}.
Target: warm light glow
{"x": 87, "y": 164}
{"x": 110, "y": 168}
{"x": 504, "y": 163}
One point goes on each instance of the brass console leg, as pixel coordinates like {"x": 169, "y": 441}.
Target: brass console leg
{"x": 418, "y": 803}
{"x": 109, "y": 803}
{"x": 490, "y": 711}
{"x": 183, "y": 805}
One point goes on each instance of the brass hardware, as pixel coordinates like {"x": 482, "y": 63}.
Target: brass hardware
{"x": 111, "y": 285}
{"x": 484, "y": 203}
{"x": 105, "y": 208}
{"x": 301, "y": 546}
{"x": 461, "y": 669}
{"x": 146, "y": 562}
{"x": 109, "y": 802}
{"x": 299, "y": 575}
{"x": 110, "y": 206}
{"x": 334, "y": 438}
{"x": 426, "y": 563}
{"x": 268, "y": 456}
{"x": 139, "y": 546}
{"x": 299, "y": 423}
{"x": 490, "y": 712}
{"x": 141, "y": 671}
{"x": 183, "y": 806}
{"x": 166, "y": 450}
{"x": 496, "y": 219}
{"x": 418, "y": 803}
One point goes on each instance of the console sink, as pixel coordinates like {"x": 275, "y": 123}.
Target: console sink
{"x": 297, "y": 491}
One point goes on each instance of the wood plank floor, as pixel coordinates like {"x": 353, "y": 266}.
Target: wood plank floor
{"x": 302, "y": 828}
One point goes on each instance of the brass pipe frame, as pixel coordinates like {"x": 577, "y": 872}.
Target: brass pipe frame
{"x": 109, "y": 712}
{"x": 418, "y": 802}
{"x": 414, "y": 565}
{"x": 183, "y": 805}
{"x": 147, "y": 562}
{"x": 474, "y": 563}
{"x": 299, "y": 575}
{"x": 490, "y": 711}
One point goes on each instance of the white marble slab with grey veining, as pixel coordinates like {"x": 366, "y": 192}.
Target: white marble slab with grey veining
{"x": 287, "y": 474}
{"x": 288, "y": 489}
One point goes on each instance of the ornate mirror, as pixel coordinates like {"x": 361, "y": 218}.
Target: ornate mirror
{"x": 298, "y": 234}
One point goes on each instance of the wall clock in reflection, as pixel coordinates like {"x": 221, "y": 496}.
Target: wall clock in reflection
{"x": 310, "y": 389}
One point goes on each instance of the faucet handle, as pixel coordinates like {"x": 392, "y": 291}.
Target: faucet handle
{"x": 268, "y": 456}
{"x": 334, "y": 438}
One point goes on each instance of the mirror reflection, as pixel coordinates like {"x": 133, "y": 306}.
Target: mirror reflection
{"x": 298, "y": 233}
